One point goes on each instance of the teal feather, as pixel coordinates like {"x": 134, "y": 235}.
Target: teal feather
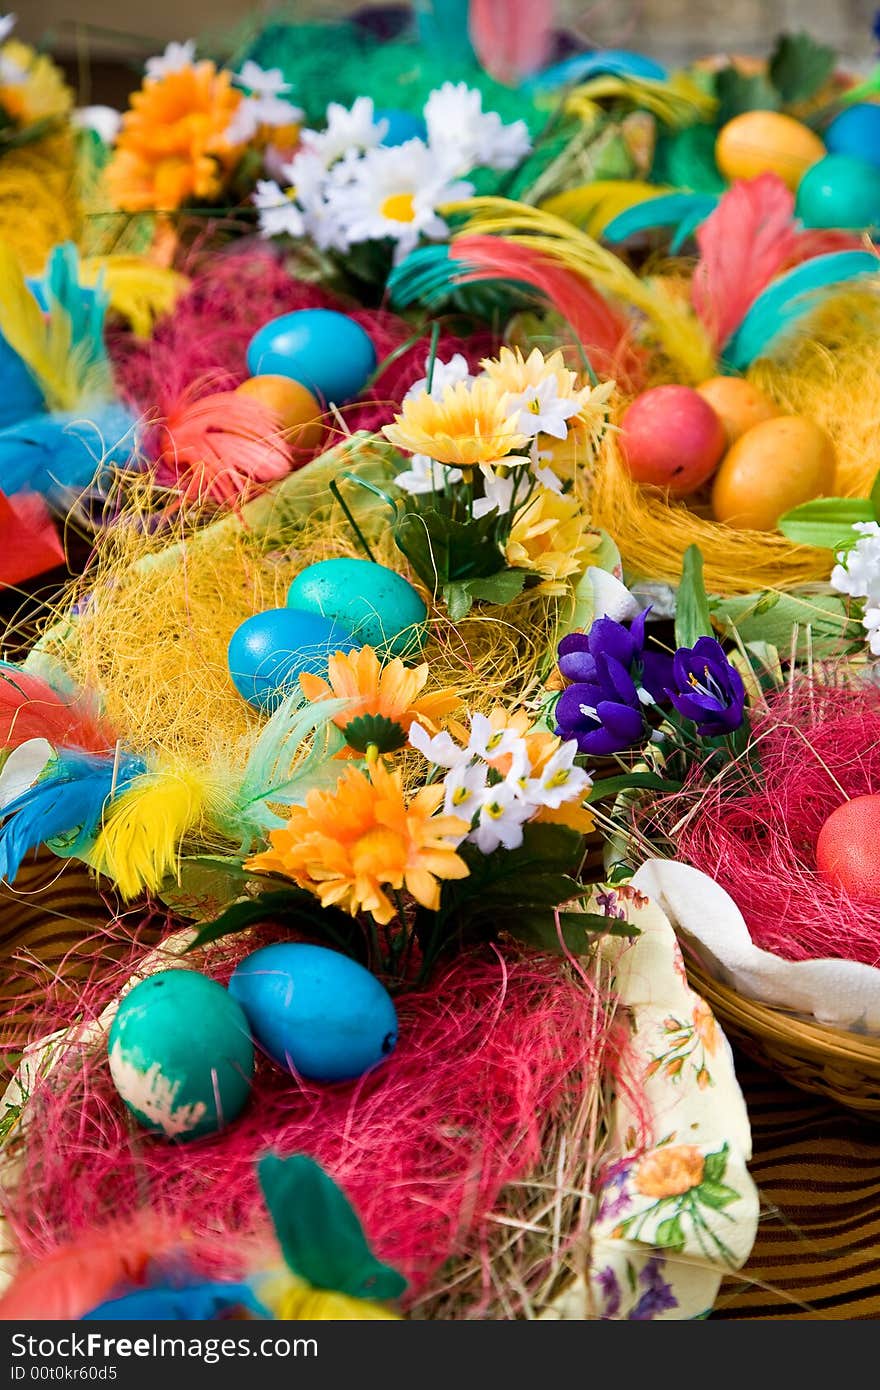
{"x": 668, "y": 210}
{"x": 780, "y": 307}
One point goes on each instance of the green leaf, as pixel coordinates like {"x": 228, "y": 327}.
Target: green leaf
{"x": 319, "y": 1232}
{"x": 648, "y": 781}
{"x": 716, "y": 1194}
{"x": 444, "y": 548}
{"x": 537, "y": 874}
{"x": 579, "y": 930}
{"x": 822, "y": 620}
{"x": 670, "y": 1234}
{"x": 692, "y": 618}
{"x": 715, "y": 1165}
{"x": 457, "y": 598}
{"x": 293, "y": 907}
{"x": 875, "y": 497}
{"x": 205, "y": 885}
{"x": 826, "y": 522}
{"x": 498, "y": 588}
{"x": 737, "y": 93}
{"x": 799, "y": 66}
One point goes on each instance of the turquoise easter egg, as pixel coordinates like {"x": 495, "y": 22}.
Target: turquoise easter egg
{"x": 375, "y": 604}
{"x": 840, "y": 191}
{"x": 402, "y": 126}
{"x": 181, "y": 1054}
{"x": 268, "y": 652}
{"x": 325, "y": 351}
{"x": 315, "y": 1012}
{"x": 856, "y": 131}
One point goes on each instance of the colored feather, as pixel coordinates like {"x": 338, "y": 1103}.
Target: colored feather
{"x": 139, "y": 844}
{"x": 602, "y": 330}
{"x": 743, "y": 245}
{"x": 51, "y": 454}
{"x": 582, "y": 66}
{"x": 674, "y": 210}
{"x": 784, "y": 303}
{"x": 218, "y": 447}
{"x": 511, "y": 38}
{"x": 677, "y": 101}
{"x": 672, "y": 323}
{"x": 31, "y": 708}
{"x": 442, "y": 27}
{"x": 137, "y": 289}
{"x": 58, "y": 348}
{"x": 29, "y": 543}
{"x": 208, "y": 1302}
{"x": 275, "y": 772}
{"x": 67, "y": 802}
{"x": 593, "y": 206}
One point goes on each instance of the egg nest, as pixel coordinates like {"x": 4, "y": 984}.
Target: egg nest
{"x": 830, "y": 374}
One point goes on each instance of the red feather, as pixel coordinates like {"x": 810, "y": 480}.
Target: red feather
{"x": 29, "y": 543}
{"x": 821, "y": 241}
{"x": 511, "y": 38}
{"x": 603, "y": 331}
{"x": 30, "y": 708}
{"x": 743, "y": 245}
{"x": 219, "y": 447}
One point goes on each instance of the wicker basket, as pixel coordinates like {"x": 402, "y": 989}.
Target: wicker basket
{"x": 843, "y": 1066}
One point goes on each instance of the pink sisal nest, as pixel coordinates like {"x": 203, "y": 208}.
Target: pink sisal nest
{"x": 815, "y": 747}
{"x": 494, "y": 1052}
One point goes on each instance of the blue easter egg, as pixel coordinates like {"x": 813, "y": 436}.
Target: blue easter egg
{"x": 325, "y": 351}
{"x": 181, "y": 1054}
{"x": 315, "y": 1011}
{"x": 856, "y": 131}
{"x": 402, "y": 126}
{"x": 840, "y": 191}
{"x": 270, "y": 650}
{"x": 376, "y": 604}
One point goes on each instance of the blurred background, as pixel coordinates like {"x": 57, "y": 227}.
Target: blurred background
{"x": 671, "y": 30}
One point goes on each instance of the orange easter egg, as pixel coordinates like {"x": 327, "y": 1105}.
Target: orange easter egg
{"x": 761, "y": 142}
{"x": 848, "y": 848}
{"x": 771, "y": 468}
{"x": 298, "y": 409}
{"x": 737, "y": 403}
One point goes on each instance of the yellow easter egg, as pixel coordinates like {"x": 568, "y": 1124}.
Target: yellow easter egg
{"x": 771, "y": 468}
{"x": 738, "y": 404}
{"x": 760, "y": 142}
{"x": 298, "y": 409}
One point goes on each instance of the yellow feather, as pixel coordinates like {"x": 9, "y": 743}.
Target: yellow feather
{"x": 138, "y": 290}
{"x": 139, "y": 844}
{"x": 677, "y": 101}
{"x": 592, "y": 206}
{"x": 675, "y": 326}
{"x": 43, "y": 343}
{"x": 304, "y": 1304}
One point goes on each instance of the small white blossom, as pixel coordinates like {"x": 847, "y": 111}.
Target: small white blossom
{"x": 871, "y": 622}
{"x": 502, "y": 816}
{"x": 103, "y": 120}
{"x": 491, "y": 743}
{"x": 857, "y": 574}
{"x": 176, "y": 57}
{"x": 465, "y": 136}
{"x": 543, "y": 411}
{"x": 426, "y": 475}
{"x": 465, "y": 790}
{"x": 7, "y": 24}
{"x": 445, "y": 375}
{"x": 278, "y": 214}
{"x": 348, "y": 128}
{"x": 559, "y": 781}
{"x": 262, "y": 82}
{"x": 440, "y": 749}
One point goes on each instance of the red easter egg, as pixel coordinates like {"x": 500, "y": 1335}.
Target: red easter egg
{"x": 848, "y": 848}
{"x": 671, "y": 438}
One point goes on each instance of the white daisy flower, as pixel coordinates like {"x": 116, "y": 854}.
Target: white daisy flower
{"x": 262, "y": 82}
{"x": 857, "y": 572}
{"x": 466, "y": 136}
{"x": 278, "y": 214}
{"x": 348, "y": 128}
{"x": 426, "y": 475}
{"x": 176, "y": 57}
{"x": 445, "y": 374}
{"x": 316, "y": 197}
{"x": 394, "y": 193}
{"x": 501, "y": 819}
{"x": 103, "y": 120}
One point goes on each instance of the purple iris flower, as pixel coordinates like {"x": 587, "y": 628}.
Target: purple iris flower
{"x": 706, "y": 688}
{"x": 613, "y": 678}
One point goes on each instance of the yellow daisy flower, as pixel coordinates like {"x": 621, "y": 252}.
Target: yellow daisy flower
{"x": 550, "y": 536}
{"x": 468, "y": 426}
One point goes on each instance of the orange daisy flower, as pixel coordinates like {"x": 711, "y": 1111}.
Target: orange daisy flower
{"x": 383, "y": 701}
{"x": 173, "y": 144}
{"x": 347, "y": 846}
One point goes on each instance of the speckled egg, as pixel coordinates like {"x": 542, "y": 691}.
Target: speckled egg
{"x": 326, "y": 351}
{"x": 268, "y": 652}
{"x": 374, "y": 603}
{"x": 315, "y": 1011}
{"x": 840, "y": 191}
{"x": 181, "y": 1054}
{"x": 856, "y": 131}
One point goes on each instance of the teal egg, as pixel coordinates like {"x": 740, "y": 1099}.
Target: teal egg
{"x": 322, "y": 349}
{"x": 268, "y": 652}
{"x": 181, "y": 1054}
{"x": 315, "y": 1011}
{"x": 375, "y": 604}
{"x": 840, "y": 191}
{"x": 856, "y": 131}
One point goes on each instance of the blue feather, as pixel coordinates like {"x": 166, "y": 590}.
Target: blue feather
{"x": 442, "y": 27}
{"x": 85, "y": 307}
{"x": 50, "y": 452}
{"x": 785, "y": 302}
{"x": 617, "y": 62}
{"x": 208, "y": 1302}
{"x": 678, "y": 210}
{"x": 425, "y": 275}
{"x": 68, "y": 803}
